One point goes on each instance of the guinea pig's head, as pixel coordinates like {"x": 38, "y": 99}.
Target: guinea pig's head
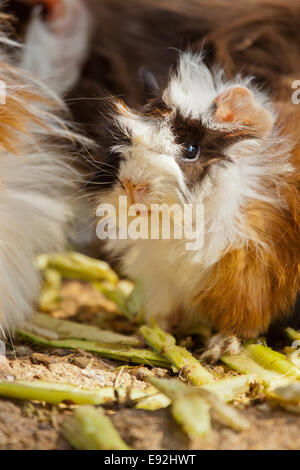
{"x": 198, "y": 137}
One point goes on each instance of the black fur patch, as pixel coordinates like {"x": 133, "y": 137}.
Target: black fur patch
{"x": 105, "y": 171}
{"x": 294, "y": 319}
{"x": 212, "y": 143}
{"x": 105, "y": 162}
{"x": 276, "y": 335}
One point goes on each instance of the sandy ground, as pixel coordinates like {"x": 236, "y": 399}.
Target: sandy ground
{"x": 33, "y": 425}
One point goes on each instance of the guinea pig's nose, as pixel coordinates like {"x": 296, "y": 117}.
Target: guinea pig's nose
{"x": 135, "y": 192}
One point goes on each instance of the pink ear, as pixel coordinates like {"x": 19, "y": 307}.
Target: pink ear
{"x": 237, "y": 105}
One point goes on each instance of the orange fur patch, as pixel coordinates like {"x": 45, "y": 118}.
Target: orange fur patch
{"x": 256, "y": 284}
{"x": 16, "y": 119}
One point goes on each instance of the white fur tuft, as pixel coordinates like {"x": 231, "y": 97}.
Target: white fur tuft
{"x": 191, "y": 88}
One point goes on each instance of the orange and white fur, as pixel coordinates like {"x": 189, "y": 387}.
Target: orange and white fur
{"x": 36, "y": 182}
{"x": 247, "y": 174}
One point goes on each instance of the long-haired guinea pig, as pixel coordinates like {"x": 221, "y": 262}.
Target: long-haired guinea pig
{"x": 36, "y": 182}
{"x": 225, "y": 145}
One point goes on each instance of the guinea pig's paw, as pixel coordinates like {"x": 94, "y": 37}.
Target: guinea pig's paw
{"x": 219, "y": 345}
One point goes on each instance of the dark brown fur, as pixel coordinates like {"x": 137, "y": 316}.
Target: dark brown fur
{"x": 257, "y": 37}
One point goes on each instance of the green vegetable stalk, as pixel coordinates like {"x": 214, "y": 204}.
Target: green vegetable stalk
{"x": 69, "y": 329}
{"x": 154, "y": 402}
{"x": 271, "y": 360}
{"x": 289, "y": 393}
{"x": 190, "y": 407}
{"x": 90, "y": 429}
{"x": 292, "y": 334}
{"x": 134, "y": 304}
{"x": 73, "y": 265}
{"x": 229, "y": 388}
{"x": 126, "y": 296}
{"x": 117, "y": 293}
{"x": 165, "y": 344}
{"x": 270, "y": 367}
{"x": 50, "y": 294}
{"x": 56, "y": 393}
{"x": 226, "y": 390}
{"x": 245, "y": 365}
{"x": 111, "y": 351}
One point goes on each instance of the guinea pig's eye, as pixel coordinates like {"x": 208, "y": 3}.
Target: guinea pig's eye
{"x": 192, "y": 152}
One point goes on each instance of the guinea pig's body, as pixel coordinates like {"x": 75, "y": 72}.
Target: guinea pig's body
{"x": 226, "y": 146}
{"x": 36, "y": 182}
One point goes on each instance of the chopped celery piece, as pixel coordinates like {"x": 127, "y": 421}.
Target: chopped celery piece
{"x": 188, "y": 407}
{"x": 245, "y": 365}
{"x": 56, "y": 393}
{"x": 192, "y": 414}
{"x": 50, "y": 294}
{"x": 229, "y": 388}
{"x": 111, "y": 351}
{"x": 290, "y": 393}
{"x": 70, "y": 329}
{"x": 185, "y": 398}
{"x": 165, "y": 344}
{"x": 72, "y": 265}
{"x": 271, "y": 360}
{"x": 292, "y": 334}
{"x": 154, "y": 402}
{"x": 117, "y": 293}
{"x": 90, "y": 429}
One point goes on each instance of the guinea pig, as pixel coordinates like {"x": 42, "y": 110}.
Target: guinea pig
{"x": 36, "y": 148}
{"x": 223, "y": 145}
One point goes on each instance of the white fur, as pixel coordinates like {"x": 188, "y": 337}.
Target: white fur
{"x": 183, "y": 90}
{"x": 55, "y": 51}
{"x": 34, "y": 200}
{"x": 33, "y": 218}
{"x": 171, "y": 275}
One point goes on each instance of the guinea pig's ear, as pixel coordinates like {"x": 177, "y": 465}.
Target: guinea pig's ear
{"x": 238, "y": 105}
{"x": 151, "y": 86}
